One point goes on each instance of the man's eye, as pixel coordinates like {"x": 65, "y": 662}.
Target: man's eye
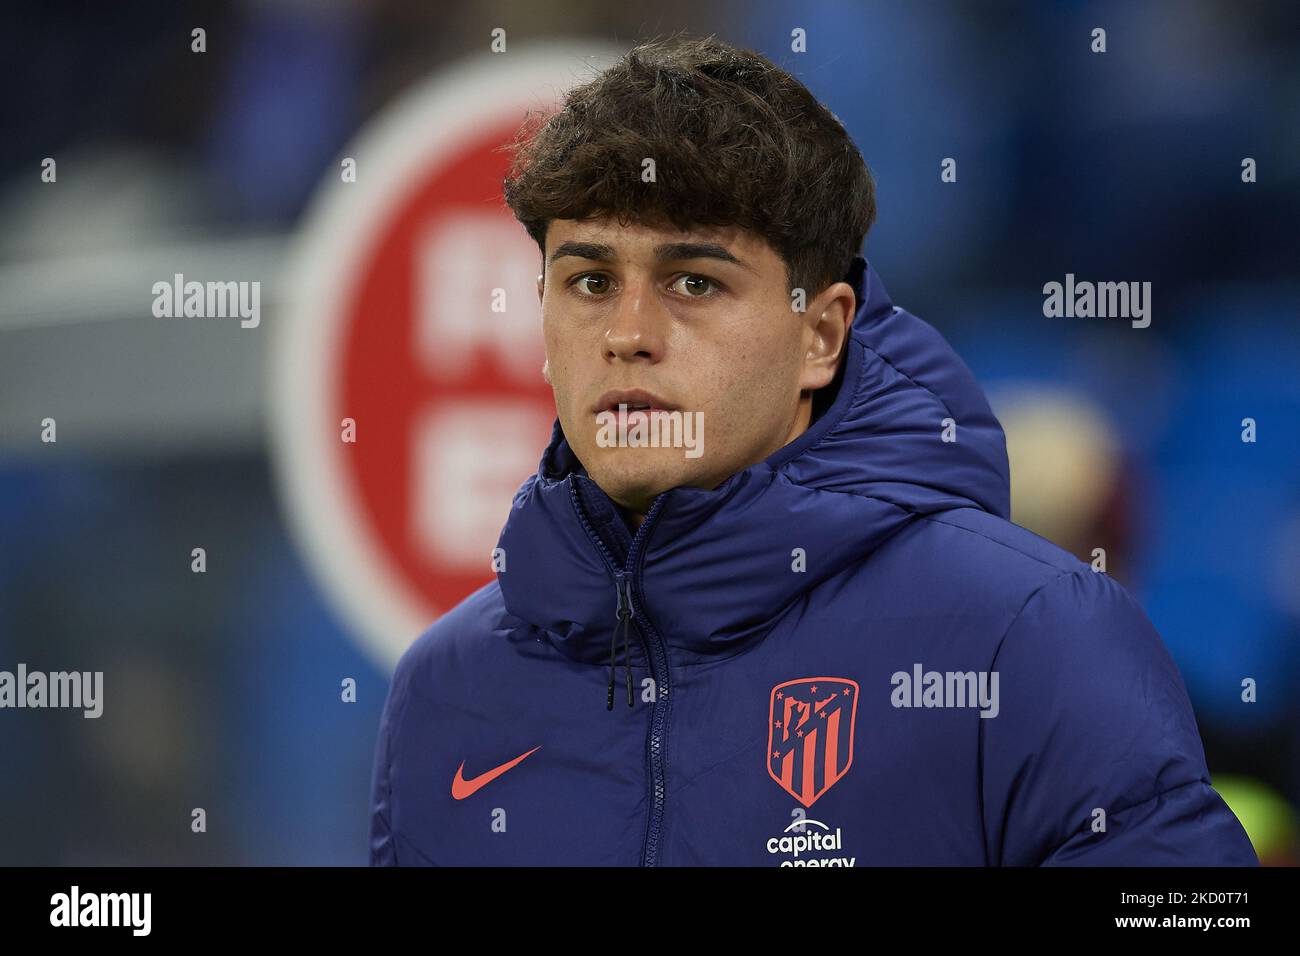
{"x": 585, "y": 283}
{"x": 693, "y": 286}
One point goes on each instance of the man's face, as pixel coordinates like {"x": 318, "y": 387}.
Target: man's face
{"x": 698, "y": 321}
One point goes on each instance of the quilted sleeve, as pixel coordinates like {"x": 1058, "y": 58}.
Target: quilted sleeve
{"x": 1094, "y": 758}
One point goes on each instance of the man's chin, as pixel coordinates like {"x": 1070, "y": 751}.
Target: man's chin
{"x": 634, "y": 481}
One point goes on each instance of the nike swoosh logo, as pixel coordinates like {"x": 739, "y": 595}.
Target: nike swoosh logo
{"x": 462, "y": 788}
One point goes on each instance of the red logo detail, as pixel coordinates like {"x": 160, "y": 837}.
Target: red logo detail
{"x": 462, "y": 788}
{"x": 407, "y": 405}
{"x": 810, "y": 734}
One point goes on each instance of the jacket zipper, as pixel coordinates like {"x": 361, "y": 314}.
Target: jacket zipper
{"x": 623, "y": 612}
{"x": 656, "y": 656}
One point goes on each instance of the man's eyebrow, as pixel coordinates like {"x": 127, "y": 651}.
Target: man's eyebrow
{"x": 697, "y": 250}
{"x": 597, "y": 251}
{"x": 668, "y": 252}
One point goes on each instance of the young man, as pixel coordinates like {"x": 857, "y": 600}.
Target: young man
{"x": 799, "y": 628}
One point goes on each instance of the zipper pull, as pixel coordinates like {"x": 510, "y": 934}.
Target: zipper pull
{"x": 624, "y": 611}
{"x": 624, "y": 587}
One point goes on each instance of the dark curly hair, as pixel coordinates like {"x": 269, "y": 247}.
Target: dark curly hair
{"x": 736, "y": 141}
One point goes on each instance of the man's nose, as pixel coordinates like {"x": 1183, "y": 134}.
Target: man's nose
{"x": 638, "y": 329}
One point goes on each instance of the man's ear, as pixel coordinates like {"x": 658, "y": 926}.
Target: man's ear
{"x": 541, "y": 285}
{"x": 546, "y": 372}
{"x": 826, "y": 331}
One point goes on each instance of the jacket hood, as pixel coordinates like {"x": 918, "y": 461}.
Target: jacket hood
{"x": 715, "y": 567}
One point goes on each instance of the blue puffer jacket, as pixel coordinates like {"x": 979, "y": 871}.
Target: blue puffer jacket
{"x": 846, "y": 655}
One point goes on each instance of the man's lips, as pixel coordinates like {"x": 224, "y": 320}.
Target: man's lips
{"x": 635, "y": 399}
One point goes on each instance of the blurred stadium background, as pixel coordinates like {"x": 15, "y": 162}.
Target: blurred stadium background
{"x": 222, "y": 688}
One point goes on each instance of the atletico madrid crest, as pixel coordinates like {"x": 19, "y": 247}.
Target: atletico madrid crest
{"x": 810, "y": 734}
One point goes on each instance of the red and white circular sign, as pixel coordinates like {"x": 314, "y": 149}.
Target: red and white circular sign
{"x": 411, "y": 310}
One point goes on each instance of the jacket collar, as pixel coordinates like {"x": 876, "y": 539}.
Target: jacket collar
{"x": 715, "y": 567}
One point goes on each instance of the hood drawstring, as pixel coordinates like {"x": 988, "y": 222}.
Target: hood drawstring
{"x": 624, "y": 624}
